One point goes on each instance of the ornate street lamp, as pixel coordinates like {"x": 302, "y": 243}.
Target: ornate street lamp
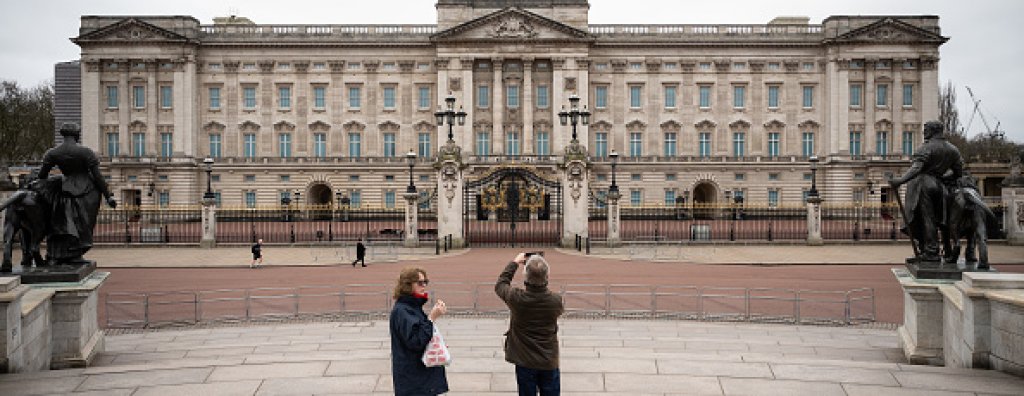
{"x": 814, "y": 177}
{"x": 574, "y": 115}
{"x": 615, "y": 161}
{"x": 450, "y": 116}
{"x": 411, "y": 158}
{"x": 208, "y": 162}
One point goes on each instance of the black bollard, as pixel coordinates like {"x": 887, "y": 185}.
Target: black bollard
{"x": 437, "y": 247}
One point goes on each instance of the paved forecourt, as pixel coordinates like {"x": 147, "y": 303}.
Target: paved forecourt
{"x": 599, "y": 357}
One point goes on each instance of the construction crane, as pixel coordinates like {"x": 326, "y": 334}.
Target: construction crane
{"x": 992, "y": 133}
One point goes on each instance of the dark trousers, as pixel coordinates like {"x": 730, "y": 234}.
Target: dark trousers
{"x": 358, "y": 259}
{"x": 548, "y": 382}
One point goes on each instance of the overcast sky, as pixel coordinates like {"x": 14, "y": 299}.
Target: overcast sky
{"x": 983, "y": 51}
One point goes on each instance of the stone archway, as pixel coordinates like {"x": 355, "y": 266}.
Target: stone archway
{"x": 705, "y": 196}
{"x": 319, "y": 194}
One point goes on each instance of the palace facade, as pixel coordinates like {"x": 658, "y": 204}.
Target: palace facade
{"x": 697, "y": 113}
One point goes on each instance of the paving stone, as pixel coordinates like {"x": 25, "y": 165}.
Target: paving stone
{"x": 1008, "y": 385}
{"x": 164, "y": 365}
{"x": 241, "y": 388}
{"x": 215, "y": 352}
{"x": 619, "y": 383}
{"x": 124, "y": 358}
{"x": 354, "y": 384}
{"x": 833, "y": 374}
{"x": 362, "y": 366}
{"x": 609, "y": 365}
{"x": 272, "y": 370}
{"x": 875, "y": 390}
{"x": 575, "y": 382}
{"x": 38, "y": 386}
{"x": 145, "y": 378}
{"x": 756, "y": 386}
{"x": 326, "y": 356}
{"x": 293, "y": 348}
{"x": 713, "y": 369}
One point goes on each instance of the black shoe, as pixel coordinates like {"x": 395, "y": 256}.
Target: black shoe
{"x": 364, "y": 265}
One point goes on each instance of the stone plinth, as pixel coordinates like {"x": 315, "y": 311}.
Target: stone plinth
{"x": 412, "y": 236}
{"x": 209, "y": 239}
{"x": 984, "y": 323}
{"x": 77, "y": 337}
{"x": 814, "y": 222}
{"x": 11, "y": 294}
{"x": 921, "y": 332}
{"x": 614, "y": 219}
{"x": 36, "y": 331}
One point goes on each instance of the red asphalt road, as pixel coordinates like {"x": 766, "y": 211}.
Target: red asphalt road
{"x": 483, "y": 266}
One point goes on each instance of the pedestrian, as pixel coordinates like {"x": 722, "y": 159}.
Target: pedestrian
{"x": 531, "y": 343}
{"x": 257, "y": 254}
{"x": 411, "y": 332}
{"x": 360, "y": 253}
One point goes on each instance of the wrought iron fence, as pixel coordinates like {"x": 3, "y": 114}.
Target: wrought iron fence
{"x": 843, "y": 307}
{"x": 703, "y": 222}
{"x": 138, "y": 225}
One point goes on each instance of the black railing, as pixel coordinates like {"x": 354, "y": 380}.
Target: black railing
{"x": 135, "y": 225}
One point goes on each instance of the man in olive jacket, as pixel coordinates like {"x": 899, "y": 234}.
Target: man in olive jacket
{"x": 531, "y": 342}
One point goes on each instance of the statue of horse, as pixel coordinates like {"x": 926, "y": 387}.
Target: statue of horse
{"x": 28, "y": 215}
{"x": 968, "y": 215}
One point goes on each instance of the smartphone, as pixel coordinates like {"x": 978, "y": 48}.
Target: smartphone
{"x": 539, "y": 253}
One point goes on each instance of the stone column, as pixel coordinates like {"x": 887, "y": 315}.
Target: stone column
{"x": 921, "y": 333}
{"x": 77, "y": 337}
{"x": 11, "y": 293}
{"x": 814, "y": 222}
{"x": 614, "y": 234}
{"x": 449, "y": 194}
{"x": 209, "y": 239}
{"x": 1013, "y": 212}
{"x": 498, "y": 108}
{"x": 575, "y": 201}
{"x": 412, "y": 237}
{"x": 526, "y": 145}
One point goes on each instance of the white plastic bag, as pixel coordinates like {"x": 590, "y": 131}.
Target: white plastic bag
{"x": 437, "y": 352}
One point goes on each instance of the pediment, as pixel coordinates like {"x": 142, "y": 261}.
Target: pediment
{"x": 890, "y": 30}
{"x": 131, "y": 30}
{"x": 512, "y": 24}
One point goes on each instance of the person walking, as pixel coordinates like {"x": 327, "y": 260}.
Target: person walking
{"x": 531, "y": 342}
{"x": 257, "y": 254}
{"x": 360, "y": 253}
{"x": 411, "y": 331}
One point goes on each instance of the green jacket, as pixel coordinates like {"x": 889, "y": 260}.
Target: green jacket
{"x": 532, "y": 338}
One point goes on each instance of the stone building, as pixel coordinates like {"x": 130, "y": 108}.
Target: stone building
{"x": 698, "y": 113}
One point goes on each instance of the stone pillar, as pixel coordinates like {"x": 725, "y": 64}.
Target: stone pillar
{"x": 11, "y": 293}
{"x": 614, "y": 234}
{"x": 412, "y": 236}
{"x": 209, "y": 239}
{"x": 498, "y": 107}
{"x": 576, "y": 203}
{"x": 449, "y": 194}
{"x": 921, "y": 335}
{"x": 1013, "y": 214}
{"x": 77, "y": 337}
{"x": 814, "y": 222}
{"x": 526, "y": 145}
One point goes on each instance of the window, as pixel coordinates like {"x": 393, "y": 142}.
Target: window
{"x": 773, "y": 96}
{"x": 774, "y": 66}
{"x": 855, "y": 143}
{"x": 424, "y": 98}
{"x": 601, "y": 97}
{"x": 512, "y": 96}
{"x": 636, "y": 197}
{"x": 214, "y": 98}
{"x": 164, "y": 199}
{"x": 808, "y": 97}
{"x": 389, "y": 199}
{"x": 670, "y": 144}
{"x": 704, "y": 144}
{"x": 739, "y": 144}
{"x": 543, "y": 145}
{"x": 216, "y": 199}
{"x": 705, "y": 96}
{"x": 773, "y": 144}
{"x": 424, "y": 145}
{"x": 355, "y": 199}
{"x": 808, "y": 66}
{"x": 601, "y": 144}
{"x": 249, "y": 97}
{"x": 424, "y": 199}
{"x": 855, "y": 95}
{"x": 908, "y": 95}
{"x": 670, "y": 177}
{"x": 249, "y": 145}
{"x": 319, "y": 97}
{"x": 739, "y": 66}
{"x": 353, "y": 178}
{"x": 249, "y": 178}
{"x": 636, "y": 144}
{"x": 166, "y": 144}
{"x": 285, "y": 196}
{"x": 739, "y": 176}
{"x": 807, "y": 144}
{"x": 773, "y": 198}
{"x": 739, "y": 93}
{"x": 882, "y": 143}
{"x": 285, "y": 178}
{"x": 389, "y": 144}
{"x": 882, "y": 98}
{"x": 111, "y": 96}
{"x": 250, "y": 199}
{"x": 705, "y": 66}
{"x": 670, "y": 197}
{"x": 389, "y": 97}
{"x": 139, "y": 96}
{"x": 634, "y": 96}
{"x": 355, "y": 147}
{"x": 389, "y": 178}
{"x": 602, "y": 198}
{"x": 320, "y": 145}
{"x": 354, "y": 97}
{"x": 113, "y": 144}
{"x": 908, "y": 143}
{"x": 483, "y": 143}
{"x": 284, "y": 145}
{"x": 542, "y": 96}
{"x": 284, "y": 97}
{"x": 635, "y": 65}
{"x": 215, "y": 145}
{"x": 166, "y": 97}
{"x": 483, "y": 96}
{"x": 512, "y": 143}
{"x": 773, "y": 176}
{"x": 139, "y": 144}
{"x": 670, "y": 97}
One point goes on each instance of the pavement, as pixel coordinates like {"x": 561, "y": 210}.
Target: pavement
{"x": 599, "y": 357}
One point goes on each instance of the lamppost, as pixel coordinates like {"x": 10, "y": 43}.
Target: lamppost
{"x": 411, "y": 158}
{"x": 615, "y": 161}
{"x": 450, "y": 116}
{"x": 208, "y": 162}
{"x": 574, "y": 115}
{"x": 813, "y": 193}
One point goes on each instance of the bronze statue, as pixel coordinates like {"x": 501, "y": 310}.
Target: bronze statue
{"x": 27, "y": 219}
{"x": 76, "y": 202}
{"x": 936, "y": 165}
{"x": 968, "y": 216}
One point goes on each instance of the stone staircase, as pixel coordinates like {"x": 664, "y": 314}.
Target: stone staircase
{"x": 599, "y": 357}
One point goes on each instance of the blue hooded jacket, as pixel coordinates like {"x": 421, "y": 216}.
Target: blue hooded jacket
{"x": 411, "y": 331}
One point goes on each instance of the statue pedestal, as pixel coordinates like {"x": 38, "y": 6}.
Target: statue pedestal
{"x": 56, "y": 273}
{"x": 940, "y": 271}
{"x": 921, "y": 333}
{"x": 77, "y": 337}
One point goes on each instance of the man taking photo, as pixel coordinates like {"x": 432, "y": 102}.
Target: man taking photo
{"x": 531, "y": 342}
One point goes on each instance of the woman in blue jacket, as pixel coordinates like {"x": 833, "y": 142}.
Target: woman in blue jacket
{"x": 411, "y": 331}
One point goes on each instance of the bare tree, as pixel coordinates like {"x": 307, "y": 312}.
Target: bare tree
{"x": 26, "y": 121}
